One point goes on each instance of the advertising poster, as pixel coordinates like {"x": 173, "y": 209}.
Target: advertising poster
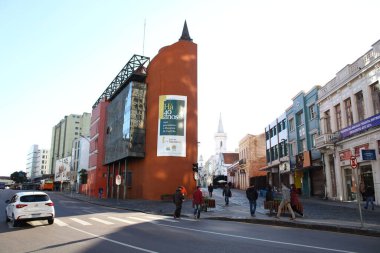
{"x": 62, "y": 169}
{"x": 172, "y": 126}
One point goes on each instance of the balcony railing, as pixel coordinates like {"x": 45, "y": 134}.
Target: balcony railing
{"x": 325, "y": 140}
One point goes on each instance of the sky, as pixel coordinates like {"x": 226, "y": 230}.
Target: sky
{"x": 57, "y": 58}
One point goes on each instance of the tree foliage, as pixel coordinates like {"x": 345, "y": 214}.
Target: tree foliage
{"x": 19, "y": 177}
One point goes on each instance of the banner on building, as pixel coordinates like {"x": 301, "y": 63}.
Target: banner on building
{"x": 171, "y": 139}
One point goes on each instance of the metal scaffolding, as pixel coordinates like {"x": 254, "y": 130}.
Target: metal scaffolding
{"x": 135, "y": 69}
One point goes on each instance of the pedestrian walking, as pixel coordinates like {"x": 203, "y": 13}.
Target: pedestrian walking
{"x": 269, "y": 199}
{"x": 285, "y": 202}
{"x": 252, "y": 196}
{"x": 100, "y": 192}
{"x": 197, "y": 202}
{"x": 178, "y": 200}
{"x": 362, "y": 190}
{"x": 227, "y": 194}
{"x": 210, "y": 190}
{"x": 295, "y": 203}
{"x": 369, "y": 194}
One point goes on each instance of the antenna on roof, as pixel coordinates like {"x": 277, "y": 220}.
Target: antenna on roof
{"x": 144, "y": 37}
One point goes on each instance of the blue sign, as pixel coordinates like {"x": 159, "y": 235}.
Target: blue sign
{"x": 368, "y": 154}
{"x": 361, "y": 126}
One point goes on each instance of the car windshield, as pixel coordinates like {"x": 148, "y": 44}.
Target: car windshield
{"x": 34, "y": 198}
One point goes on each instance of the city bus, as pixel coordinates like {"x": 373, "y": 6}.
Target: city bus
{"x": 46, "y": 185}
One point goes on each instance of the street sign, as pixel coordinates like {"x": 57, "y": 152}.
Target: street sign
{"x": 118, "y": 180}
{"x": 353, "y": 161}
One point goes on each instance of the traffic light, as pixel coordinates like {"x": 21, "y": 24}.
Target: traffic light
{"x": 195, "y": 167}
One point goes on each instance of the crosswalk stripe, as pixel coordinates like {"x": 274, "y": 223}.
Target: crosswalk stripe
{"x": 162, "y": 218}
{"x": 60, "y": 223}
{"x": 85, "y": 223}
{"x": 122, "y": 220}
{"x": 101, "y": 221}
{"x": 141, "y": 219}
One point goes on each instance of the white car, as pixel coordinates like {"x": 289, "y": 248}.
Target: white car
{"x": 29, "y": 206}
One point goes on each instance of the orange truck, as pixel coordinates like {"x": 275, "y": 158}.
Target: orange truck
{"x": 46, "y": 185}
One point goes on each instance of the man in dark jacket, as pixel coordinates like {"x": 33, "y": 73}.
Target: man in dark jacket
{"x": 252, "y": 197}
{"x": 178, "y": 199}
{"x": 369, "y": 194}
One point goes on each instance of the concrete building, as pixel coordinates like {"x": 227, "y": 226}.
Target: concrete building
{"x": 150, "y": 135}
{"x": 37, "y": 163}
{"x": 79, "y": 161}
{"x": 303, "y": 128}
{"x": 251, "y": 158}
{"x": 350, "y": 119}
{"x": 64, "y": 134}
{"x": 277, "y": 157}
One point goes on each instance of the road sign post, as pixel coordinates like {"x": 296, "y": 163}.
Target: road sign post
{"x": 118, "y": 182}
{"x": 354, "y": 166}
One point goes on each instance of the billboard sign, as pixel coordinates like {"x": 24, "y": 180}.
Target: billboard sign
{"x": 171, "y": 139}
{"x": 62, "y": 169}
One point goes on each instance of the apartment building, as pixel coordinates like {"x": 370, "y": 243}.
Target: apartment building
{"x": 37, "y": 162}
{"x": 64, "y": 134}
{"x": 305, "y": 158}
{"x": 349, "y": 119}
{"x": 277, "y": 157}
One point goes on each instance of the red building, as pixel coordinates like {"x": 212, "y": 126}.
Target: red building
{"x": 144, "y": 127}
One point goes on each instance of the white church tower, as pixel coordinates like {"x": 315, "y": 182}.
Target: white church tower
{"x": 220, "y": 138}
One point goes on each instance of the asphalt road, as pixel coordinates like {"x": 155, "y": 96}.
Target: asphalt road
{"x": 83, "y": 227}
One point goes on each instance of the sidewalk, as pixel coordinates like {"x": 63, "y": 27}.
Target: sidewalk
{"x": 318, "y": 214}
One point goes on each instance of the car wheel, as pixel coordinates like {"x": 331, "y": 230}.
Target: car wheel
{"x": 6, "y": 217}
{"x": 51, "y": 221}
{"x": 15, "y": 223}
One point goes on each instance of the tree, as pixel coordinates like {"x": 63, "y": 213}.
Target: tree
{"x": 83, "y": 176}
{"x": 19, "y": 177}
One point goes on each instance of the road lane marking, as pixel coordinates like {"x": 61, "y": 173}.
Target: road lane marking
{"x": 85, "y": 223}
{"x": 122, "y": 220}
{"x": 113, "y": 241}
{"x": 102, "y": 221}
{"x": 60, "y": 223}
{"x": 258, "y": 239}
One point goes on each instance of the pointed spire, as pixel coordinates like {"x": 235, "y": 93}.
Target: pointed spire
{"x": 185, "y": 33}
{"x": 220, "y": 126}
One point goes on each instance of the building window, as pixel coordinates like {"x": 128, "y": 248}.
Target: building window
{"x": 292, "y": 126}
{"x": 313, "y": 137}
{"x": 276, "y": 152}
{"x": 129, "y": 179}
{"x": 312, "y": 112}
{"x": 348, "y": 109}
{"x": 303, "y": 145}
{"x": 338, "y": 115}
{"x": 360, "y": 105}
{"x": 328, "y": 122}
{"x": 291, "y": 149}
{"x": 299, "y": 118}
{"x": 375, "y": 88}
